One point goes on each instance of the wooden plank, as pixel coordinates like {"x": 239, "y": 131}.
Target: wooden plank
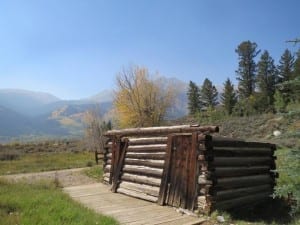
{"x": 241, "y": 161}
{"x": 240, "y": 171}
{"x": 141, "y": 179}
{"x": 159, "y": 156}
{"x": 145, "y": 162}
{"x": 147, "y": 148}
{"x": 165, "y": 176}
{"x": 245, "y": 200}
{"x": 239, "y": 192}
{"x": 143, "y": 170}
{"x": 234, "y": 143}
{"x": 147, "y": 189}
{"x": 119, "y": 167}
{"x": 234, "y": 182}
{"x": 192, "y": 183}
{"x": 148, "y": 140}
{"x": 137, "y": 194}
{"x": 161, "y": 130}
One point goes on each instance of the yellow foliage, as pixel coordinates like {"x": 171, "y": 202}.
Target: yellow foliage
{"x": 140, "y": 101}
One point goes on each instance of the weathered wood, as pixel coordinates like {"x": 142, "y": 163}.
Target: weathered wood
{"x": 161, "y": 130}
{"x": 234, "y": 182}
{"x": 192, "y": 173}
{"x": 235, "y": 144}
{"x": 239, "y": 192}
{"x": 241, "y": 161}
{"x": 147, "y": 140}
{"x": 119, "y": 166}
{"x": 145, "y": 155}
{"x": 137, "y": 194}
{"x": 143, "y": 170}
{"x": 147, "y": 148}
{"x": 242, "y": 151}
{"x": 114, "y": 156}
{"x": 165, "y": 176}
{"x": 144, "y": 162}
{"x": 240, "y": 171}
{"x": 227, "y": 204}
{"x": 147, "y": 189}
{"x": 141, "y": 179}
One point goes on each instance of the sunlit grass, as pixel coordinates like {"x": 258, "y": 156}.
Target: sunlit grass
{"x": 45, "y": 161}
{"x": 41, "y": 204}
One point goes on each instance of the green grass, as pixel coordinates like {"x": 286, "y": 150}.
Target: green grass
{"x": 41, "y": 204}
{"x": 45, "y": 161}
{"x": 95, "y": 172}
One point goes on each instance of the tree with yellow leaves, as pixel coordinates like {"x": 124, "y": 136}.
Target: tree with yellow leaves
{"x": 139, "y": 100}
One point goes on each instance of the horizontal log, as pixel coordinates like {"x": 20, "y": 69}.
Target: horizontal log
{"x": 241, "y": 161}
{"x": 137, "y": 194}
{"x": 142, "y": 188}
{"x": 245, "y": 200}
{"x": 143, "y": 170}
{"x": 141, "y": 179}
{"x": 240, "y": 171}
{"x": 161, "y": 130}
{"x": 145, "y": 162}
{"x": 147, "y": 148}
{"x": 132, "y": 155}
{"x": 147, "y": 140}
{"x": 234, "y": 143}
{"x": 239, "y": 192}
{"x": 235, "y": 182}
{"x": 242, "y": 151}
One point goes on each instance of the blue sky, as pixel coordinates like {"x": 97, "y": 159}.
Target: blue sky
{"x": 74, "y": 48}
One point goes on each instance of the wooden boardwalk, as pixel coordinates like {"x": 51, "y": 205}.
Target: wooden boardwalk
{"x": 127, "y": 210}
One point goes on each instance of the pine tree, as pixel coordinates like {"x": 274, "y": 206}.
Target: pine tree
{"x": 266, "y": 78}
{"x": 193, "y": 98}
{"x": 228, "y": 97}
{"x": 246, "y": 51}
{"x": 208, "y": 94}
{"x": 285, "y": 67}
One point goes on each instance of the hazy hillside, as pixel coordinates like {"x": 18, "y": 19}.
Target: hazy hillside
{"x": 26, "y": 113}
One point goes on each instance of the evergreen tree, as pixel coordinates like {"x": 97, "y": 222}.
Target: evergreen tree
{"x": 208, "y": 94}
{"x": 266, "y": 78}
{"x": 228, "y": 97}
{"x": 296, "y": 66}
{"x": 285, "y": 67}
{"x": 246, "y": 51}
{"x": 193, "y": 98}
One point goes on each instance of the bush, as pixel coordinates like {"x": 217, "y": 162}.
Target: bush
{"x": 9, "y": 155}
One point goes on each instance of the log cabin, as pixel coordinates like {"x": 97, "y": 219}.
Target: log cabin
{"x": 188, "y": 167}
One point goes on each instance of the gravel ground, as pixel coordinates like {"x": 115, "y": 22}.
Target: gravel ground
{"x": 66, "y": 178}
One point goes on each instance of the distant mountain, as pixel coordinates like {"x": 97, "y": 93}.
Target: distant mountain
{"x": 25, "y": 102}
{"x": 28, "y": 113}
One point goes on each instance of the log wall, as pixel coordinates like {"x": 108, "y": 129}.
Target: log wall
{"x": 229, "y": 172}
{"x": 234, "y": 173}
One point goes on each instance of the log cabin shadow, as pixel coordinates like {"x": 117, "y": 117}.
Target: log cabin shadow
{"x": 269, "y": 212}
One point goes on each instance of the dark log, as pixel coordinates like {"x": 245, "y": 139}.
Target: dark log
{"x": 161, "y": 130}
{"x": 147, "y": 140}
{"x": 137, "y": 194}
{"x": 241, "y": 161}
{"x": 141, "y": 179}
{"x": 166, "y": 172}
{"x": 242, "y": 151}
{"x": 143, "y": 170}
{"x": 119, "y": 166}
{"x": 235, "y": 182}
{"x": 132, "y": 155}
{"x": 147, "y": 148}
{"x": 149, "y": 190}
{"x": 240, "y": 171}
{"x": 222, "y": 143}
{"x": 239, "y": 192}
{"x": 141, "y": 162}
{"x": 246, "y": 200}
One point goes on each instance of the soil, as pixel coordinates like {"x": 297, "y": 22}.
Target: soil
{"x": 65, "y": 178}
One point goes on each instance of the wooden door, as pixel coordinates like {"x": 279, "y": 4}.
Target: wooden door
{"x": 178, "y": 187}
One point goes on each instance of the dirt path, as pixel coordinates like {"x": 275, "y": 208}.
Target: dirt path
{"x": 66, "y": 178}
